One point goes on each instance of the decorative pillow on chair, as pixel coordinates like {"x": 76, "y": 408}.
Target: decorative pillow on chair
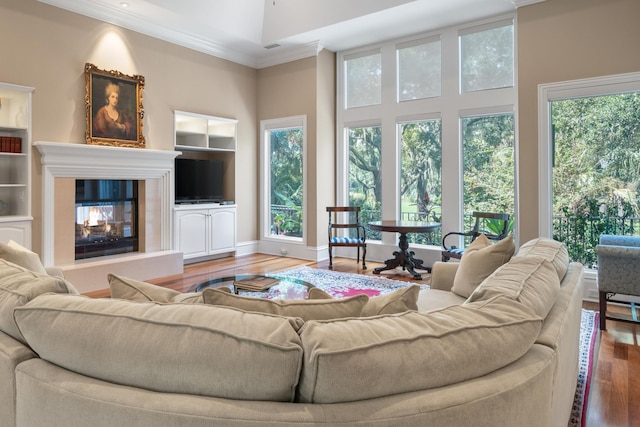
{"x": 398, "y": 301}
{"x": 19, "y": 255}
{"x": 309, "y": 309}
{"x": 480, "y": 259}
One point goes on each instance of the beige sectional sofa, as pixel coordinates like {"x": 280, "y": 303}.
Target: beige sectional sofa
{"x": 506, "y": 355}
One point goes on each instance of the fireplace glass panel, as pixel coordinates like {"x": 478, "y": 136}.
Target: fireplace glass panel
{"x": 106, "y": 217}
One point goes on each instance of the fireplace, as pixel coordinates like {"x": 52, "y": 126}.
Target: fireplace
{"x": 62, "y": 165}
{"x": 106, "y": 217}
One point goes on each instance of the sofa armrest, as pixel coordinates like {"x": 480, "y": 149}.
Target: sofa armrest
{"x": 442, "y": 275}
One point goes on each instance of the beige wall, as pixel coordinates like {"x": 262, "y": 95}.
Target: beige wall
{"x": 307, "y": 87}
{"x": 560, "y": 40}
{"x": 47, "y": 49}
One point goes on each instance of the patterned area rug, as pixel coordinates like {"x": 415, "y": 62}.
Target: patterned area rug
{"x": 588, "y": 336}
{"x": 342, "y": 285}
{"x": 336, "y": 284}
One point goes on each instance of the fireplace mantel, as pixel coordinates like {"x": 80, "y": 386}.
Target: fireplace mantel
{"x": 81, "y": 161}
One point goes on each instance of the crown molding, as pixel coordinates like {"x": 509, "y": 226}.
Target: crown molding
{"x": 520, "y": 3}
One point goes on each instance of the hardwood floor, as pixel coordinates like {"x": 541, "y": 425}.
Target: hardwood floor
{"x": 614, "y": 399}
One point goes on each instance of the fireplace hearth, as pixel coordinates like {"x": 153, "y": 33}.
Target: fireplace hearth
{"x": 106, "y": 220}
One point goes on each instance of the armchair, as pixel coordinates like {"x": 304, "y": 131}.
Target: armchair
{"x": 618, "y": 273}
{"x": 335, "y": 239}
{"x": 479, "y": 227}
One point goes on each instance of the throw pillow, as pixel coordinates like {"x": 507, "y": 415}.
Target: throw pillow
{"x": 19, "y": 255}
{"x": 480, "y": 259}
{"x": 18, "y": 286}
{"x": 398, "y": 301}
{"x": 552, "y": 250}
{"x": 136, "y": 290}
{"x": 317, "y": 309}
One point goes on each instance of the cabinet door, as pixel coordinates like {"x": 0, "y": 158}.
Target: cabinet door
{"x": 18, "y": 231}
{"x": 192, "y": 231}
{"x": 223, "y": 230}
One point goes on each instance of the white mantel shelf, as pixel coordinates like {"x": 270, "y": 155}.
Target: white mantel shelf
{"x": 67, "y": 160}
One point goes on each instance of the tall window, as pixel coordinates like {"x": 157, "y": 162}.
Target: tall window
{"x": 421, "y": 179}
{"x": 589, "y": 163}
{"x": 433, "y": 98}
{"x": 283, "y": 178}
{"x": 489, "y": 168}
{"x": 365, "y": 173}
{"x": 596, "y": 171}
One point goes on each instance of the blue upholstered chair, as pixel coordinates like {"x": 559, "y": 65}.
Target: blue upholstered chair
{"x": 335, "y": 225}
{"x": 618, "y": 273}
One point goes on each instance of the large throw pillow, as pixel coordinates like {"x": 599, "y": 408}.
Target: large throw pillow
{"x": 532, "y": 281}
{"x": 366, "y": 358}
{"x": 480, "y": 259}
{"x": 17, "y": 254}
{"x": 398, "y": 301}
{"x": 172, "y": 348}
{"x": 137, "y": 290}
{"x": 18, "y": 286}
{"x": 552, "y": 250}
{"x": 316, "y": 309}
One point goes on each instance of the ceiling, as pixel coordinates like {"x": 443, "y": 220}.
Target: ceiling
{"x": 261, "y": 33}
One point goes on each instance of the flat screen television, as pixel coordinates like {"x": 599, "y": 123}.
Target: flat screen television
{"x": 199, "y": 181}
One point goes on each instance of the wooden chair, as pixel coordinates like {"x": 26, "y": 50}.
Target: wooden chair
{"x": 337, "y": 239}
{"x": 482, "y": 219}
{"x": 618, "y": 273}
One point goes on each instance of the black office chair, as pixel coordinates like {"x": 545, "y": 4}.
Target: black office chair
{"x": 335, "y": 239}
{"x": 482, "y": 220}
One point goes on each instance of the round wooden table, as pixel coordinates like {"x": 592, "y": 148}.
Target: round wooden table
{"x": 404, "y": 257}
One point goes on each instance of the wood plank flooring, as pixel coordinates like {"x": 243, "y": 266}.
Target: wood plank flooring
{"x": 615, "y": 387}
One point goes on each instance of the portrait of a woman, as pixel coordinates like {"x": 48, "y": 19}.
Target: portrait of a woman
{"x": 110, "y": 121}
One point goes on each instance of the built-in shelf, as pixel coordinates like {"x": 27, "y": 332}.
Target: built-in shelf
{"x": 15, "y": 167}
{"x": 200, "y": 132}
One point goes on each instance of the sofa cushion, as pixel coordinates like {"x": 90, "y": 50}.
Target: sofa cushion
{"x": 173, "y": 348}
{"x": 18, "y": 286}
{"x": 397, "y": 301}
{"x": 552, "y": 250}
{"x": 530, "y": 280}
{"x": 364, "y": 358}
{"x": 316, "y": 309}
{"x": 480, "y": 259}
{"x": 19, "y": 255}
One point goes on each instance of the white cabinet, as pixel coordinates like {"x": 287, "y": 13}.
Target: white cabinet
{"x": 204, "y": 230}
{"x": 15, "y": 164}
{"x": 195, "y": 132}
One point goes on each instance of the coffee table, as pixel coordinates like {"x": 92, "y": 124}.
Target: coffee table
{"x": 288, "y": 287}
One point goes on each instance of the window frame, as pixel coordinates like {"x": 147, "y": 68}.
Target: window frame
{"x": 449, "y": 107}
{"x": 266, "y": 126}
{"x": 547, "y": 93}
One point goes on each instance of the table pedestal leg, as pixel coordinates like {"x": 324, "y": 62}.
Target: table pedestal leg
{"x": 404, "y": 258}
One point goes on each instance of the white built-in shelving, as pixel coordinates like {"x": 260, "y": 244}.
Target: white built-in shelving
{"x": 15, "y": 167}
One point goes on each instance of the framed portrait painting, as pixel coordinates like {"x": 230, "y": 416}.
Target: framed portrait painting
{"x": 113, "y": 104}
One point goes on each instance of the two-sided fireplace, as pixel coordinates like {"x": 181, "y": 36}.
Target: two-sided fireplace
{"x": 106, "y": 217}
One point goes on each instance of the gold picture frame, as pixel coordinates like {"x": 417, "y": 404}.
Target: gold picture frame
{"x": 114, "y": 110}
